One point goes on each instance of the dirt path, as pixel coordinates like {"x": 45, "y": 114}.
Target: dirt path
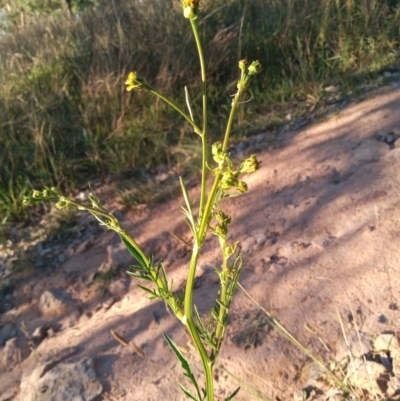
{"x": 320, "y": 232}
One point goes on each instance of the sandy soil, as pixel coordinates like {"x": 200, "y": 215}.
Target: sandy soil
{"x": 320, "y": 230}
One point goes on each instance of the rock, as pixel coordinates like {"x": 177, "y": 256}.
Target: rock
{"x": 370, "y": 151}
{"x": 393, "y": 386}
{"x": 298, "y": 394}
{"x": 247, "y": 244}
{"x": 11, "y": 354}
{"x": 8, "y": 331}
{"x": 386, "y": 342}
{"x": 356, "y": 343}
{"x": 31, "y": 376}
{"x": 69, "y": 382}
{"x": 120, "y": 287}
{"x": 260, "y": 239}
{"x": 40, "y": 332}
{"x": 367, "y": 375}
{"x": 54, "y": 301}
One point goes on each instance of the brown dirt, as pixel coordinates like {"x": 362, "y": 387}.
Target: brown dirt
{"x": 324, "y": 207}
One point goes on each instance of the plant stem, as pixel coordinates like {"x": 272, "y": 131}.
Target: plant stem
{"x": 190, "y": 324}
{"x": 219, "y": 332}
{"x": 196, "y": 128}
{"x": 204, "y": 137}
{"x": 210, "y": 201}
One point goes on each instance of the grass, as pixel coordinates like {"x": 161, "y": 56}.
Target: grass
{"x": 65, "y": 119}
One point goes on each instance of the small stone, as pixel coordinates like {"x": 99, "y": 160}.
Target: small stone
{"x": 370, "y": 151}
{"x": 64, "y": 382}
{"x": 366, "y": 375}
{"x": 247, "y": 244}
{"x": 298, "y": 394}
{"x": 393, "y": 385}
{"x": 260, "y": 239}
{"x": 120, "y": 287}
{"x": 386, "y": 342}
{"x": 40, "y": 332}
{"x": 54, "y": 301}
{"x": 356, "y": 343}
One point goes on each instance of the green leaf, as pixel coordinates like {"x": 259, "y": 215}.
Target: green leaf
{"x": 153, "y": 294}
{"x": 232, "y": 395}
{"x": 188, "y": 212}
{"x": 187, "y": 392}
{"x": 134, "y": 252}
{"x": 185, "y": 364}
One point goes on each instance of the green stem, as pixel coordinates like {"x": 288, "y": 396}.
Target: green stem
{"x": 196, "y": 128}
{"x": 190, "y": 324}
{"x": 219, "y": 332}
{"x": 204, "y": 137}
{"x": 210, "y": 201}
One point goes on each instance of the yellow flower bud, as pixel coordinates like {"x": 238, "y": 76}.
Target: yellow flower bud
{"x": 191, "y": 8}
{"x": 250, "y": 165}
{"x": 228, "y": 180}
{"x": 218, "y": 155}
{"x": 241, "y": 186}
{"x": 243, "y": 64}
{"x": 254, "y": 68}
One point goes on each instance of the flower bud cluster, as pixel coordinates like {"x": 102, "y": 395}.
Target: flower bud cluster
{"x": 191, "y": 8}
{"x": 38, "y": 196}
{"x": 247, "y": 71}
{"x": 230, "y": 178}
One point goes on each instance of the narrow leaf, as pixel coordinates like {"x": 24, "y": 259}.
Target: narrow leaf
{"x": 133, "y": 252}
{"x": 187, "y": 392}
{"x": 151, "y": 292}
{"x": 188, "y": 212}
{"x": 183, "y": 361}
{"x": 232, "y": 395}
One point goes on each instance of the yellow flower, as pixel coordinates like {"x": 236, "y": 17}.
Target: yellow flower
{"x": 133, "y": 81}
{"x": 191, "y": 8}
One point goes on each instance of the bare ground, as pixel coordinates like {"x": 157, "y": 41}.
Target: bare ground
{"x": 320, "y": 231}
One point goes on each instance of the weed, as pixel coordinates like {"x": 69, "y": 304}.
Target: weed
{"x": 209, "y": 219}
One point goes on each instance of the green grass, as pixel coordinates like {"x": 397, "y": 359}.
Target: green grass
{"x": 65, "y": 118}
